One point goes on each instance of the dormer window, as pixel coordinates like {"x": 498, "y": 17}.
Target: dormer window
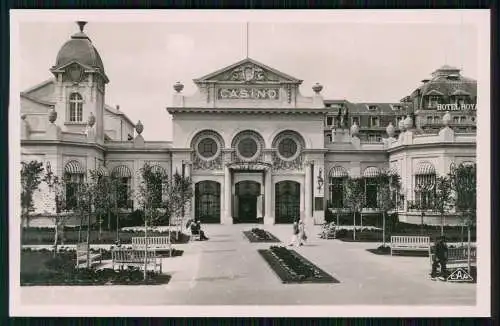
{"x": 433, "y": 101}
{"x": 75, "y": 107}
{"x": 372, "y": 107}
{"x": 396, "y": 107}
{"x": 374, "y": 122}
{"x": 460, "y": 100}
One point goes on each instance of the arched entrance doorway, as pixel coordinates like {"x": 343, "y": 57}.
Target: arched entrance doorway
{"x": 207, "y": 201}
{"x": 287, "y": 201}
{"x": 246, "y": 201}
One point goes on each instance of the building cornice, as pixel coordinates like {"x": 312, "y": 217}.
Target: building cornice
{"x": 429, "y": 145}
{"x": 316, "y": 111}
{"x": 43, "y": 142}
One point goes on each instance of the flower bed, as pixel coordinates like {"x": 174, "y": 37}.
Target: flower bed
{"x": 260, "y": 235}
{"x": 291, "y": 267}
{"x": 83, "y": 276}
{"x": 40, "y": 267}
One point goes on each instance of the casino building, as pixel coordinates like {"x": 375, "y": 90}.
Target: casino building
{"x": 255, "y": 148}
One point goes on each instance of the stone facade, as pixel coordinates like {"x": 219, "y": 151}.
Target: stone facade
{"x": 256, "y": 148}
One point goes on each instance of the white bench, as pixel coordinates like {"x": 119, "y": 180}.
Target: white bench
{"x": 457, "y": 257}
{"x": 409, "y": 242}
{"x": 134, "y": 257}
{"x": 82, "y": 251}
{"x": 157, "y": 243}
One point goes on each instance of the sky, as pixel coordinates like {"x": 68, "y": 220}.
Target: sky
{"x": 372, "y": 60}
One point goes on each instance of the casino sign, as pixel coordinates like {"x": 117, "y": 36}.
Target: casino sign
{"x": 254, "y": 93}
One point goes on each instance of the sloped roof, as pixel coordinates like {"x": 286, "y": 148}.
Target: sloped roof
{"x": 364, "y": 107}
{"x": 243, "y": 62}
{"x": 114, "y": 111}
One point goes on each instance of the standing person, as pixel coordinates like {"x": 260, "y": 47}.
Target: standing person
{"x": 302, "y": 232}
{"x": 440, "y": 258}
{"x": 295, "y": 237}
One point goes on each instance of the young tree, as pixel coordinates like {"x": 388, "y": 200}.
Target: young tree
{"x": 355, "y": 198}
{"x": 443, "y": 198}
{"x": 31, "y": 177}
{"x": 84, "y": 194}
{"x": 57, "y": 190}
{"x": 102, "y": 199}
{"x": 149, "y": 197}
{"x": 463, "y": 182}
{"x": 388, "y": 185}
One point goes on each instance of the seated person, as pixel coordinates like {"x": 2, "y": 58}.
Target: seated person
{"x": 196, "y": 229}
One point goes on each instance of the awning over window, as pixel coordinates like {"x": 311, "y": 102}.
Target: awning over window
{"x": 338, "y": 172}
{"x": 371, "y": 172}
{"x": 392, "y": 171}
{"x": 159, "y": 169}
{"x": 122, "y": 171}
{"x": 102, "y": 171}
{"x": 73, "y": 167}
{"x": 425, "y": 168}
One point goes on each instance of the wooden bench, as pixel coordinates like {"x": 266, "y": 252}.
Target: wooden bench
{"x": 156, "y": 243}
{"x": 457, "y": 257}
{"x": 408, "y": 242}
{"x": 135, "y": 257}
{"x": 82, "y": 249}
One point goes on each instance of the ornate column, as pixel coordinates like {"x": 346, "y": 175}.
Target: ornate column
{"x": 307, "y": 191}
{"x": 268, "y": 198}
{"x": 227, "y": 217}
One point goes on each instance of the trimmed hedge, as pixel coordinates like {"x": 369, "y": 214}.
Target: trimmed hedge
{"x": 35, "y": 236}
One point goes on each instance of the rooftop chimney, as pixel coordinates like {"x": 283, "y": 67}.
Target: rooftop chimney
{"x": 118, "y": 107}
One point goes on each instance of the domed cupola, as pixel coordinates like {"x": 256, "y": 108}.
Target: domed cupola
{"x": 79, "y": 49}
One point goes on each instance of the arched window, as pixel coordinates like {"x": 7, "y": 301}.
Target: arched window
{"x": 425, "y": 181}
{"x": 371, "y": 188}
{"x": 124, "y": 176}
{"x": 73, "y": 176}
{"x": 337, "y": 177}
{"x": 75, "y": 107}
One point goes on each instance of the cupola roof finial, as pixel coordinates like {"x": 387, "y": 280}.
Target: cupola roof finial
{"x": 81, "y": 24}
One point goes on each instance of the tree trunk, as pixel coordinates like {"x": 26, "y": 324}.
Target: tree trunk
{"x": 360, "y": 219}
{"x": 62, "y": 234}
{"x": 145, "y": 245}
{"x": 468, "y": 249}
{"x": 442, "y": 224}
{"x": 109, "y": 220}
{"x": 383, "y": 229}
{"x": 462, "y": 235}
{"x": 117, "y": 224}
{"x": 100, "y": 229}
{"x": 354, "y": 228}
{"x": 80, "y": 229}
{"x": 56, "y": 235}
{"x": 88, "y": 240}
{"x": 338, "y": 217}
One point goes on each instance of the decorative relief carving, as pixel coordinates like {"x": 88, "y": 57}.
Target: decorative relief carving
{"x": 199, "y": 164}
{"x": 279, "y": 164}
{"x": 289, "y": 93}
{"x": 247, "y": 73}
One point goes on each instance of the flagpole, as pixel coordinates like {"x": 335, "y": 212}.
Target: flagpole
{"x": 246, "y": 40}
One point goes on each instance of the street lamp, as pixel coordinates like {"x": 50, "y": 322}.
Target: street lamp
{"x": 320, "y": 179}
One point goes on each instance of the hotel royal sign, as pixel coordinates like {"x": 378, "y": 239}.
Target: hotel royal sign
{"x": 253, "y": 93}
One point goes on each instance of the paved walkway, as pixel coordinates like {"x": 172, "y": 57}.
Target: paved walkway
{"x": 228, "y": 270}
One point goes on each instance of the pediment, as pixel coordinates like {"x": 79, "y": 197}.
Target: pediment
{"x": 247, "y": 71}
